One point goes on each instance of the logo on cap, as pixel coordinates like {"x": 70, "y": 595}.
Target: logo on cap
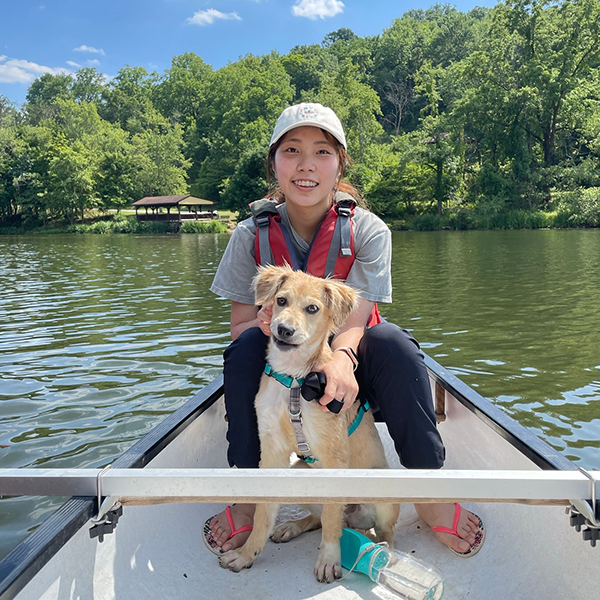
{"x": 308, "y": 112}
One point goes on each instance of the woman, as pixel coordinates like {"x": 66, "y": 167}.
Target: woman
{"x": 313, "y": 216}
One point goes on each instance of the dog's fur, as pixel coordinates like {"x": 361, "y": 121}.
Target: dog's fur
{"x": 306, "y": 311}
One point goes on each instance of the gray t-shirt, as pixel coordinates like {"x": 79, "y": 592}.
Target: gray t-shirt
{"x": 370, "y": 273}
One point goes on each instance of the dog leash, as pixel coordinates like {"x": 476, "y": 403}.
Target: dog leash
{"x": 296, "y": 419}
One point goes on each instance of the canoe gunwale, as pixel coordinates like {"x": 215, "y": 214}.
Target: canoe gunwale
{"x": 21, "y": 564}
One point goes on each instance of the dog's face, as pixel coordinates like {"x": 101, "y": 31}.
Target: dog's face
{"x": 306, "y": 309}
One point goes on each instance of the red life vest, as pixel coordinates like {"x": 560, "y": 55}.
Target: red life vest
{"x": 330, "y": 254}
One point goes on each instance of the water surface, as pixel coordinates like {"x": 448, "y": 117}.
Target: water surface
{"x": 102, "y": 336}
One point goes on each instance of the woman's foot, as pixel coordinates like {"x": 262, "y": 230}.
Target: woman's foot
{"x": 442, "y": 515}
{"x": 242, "y": 516}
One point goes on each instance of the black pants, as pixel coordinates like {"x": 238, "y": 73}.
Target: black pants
{"x": 391, "y": 375}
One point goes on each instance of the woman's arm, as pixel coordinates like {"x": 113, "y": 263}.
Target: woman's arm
{"x": 244, "y": 316}
{"x": 341, "y": 382}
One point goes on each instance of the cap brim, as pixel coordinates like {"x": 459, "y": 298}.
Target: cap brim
{"x": 275, "y": 139}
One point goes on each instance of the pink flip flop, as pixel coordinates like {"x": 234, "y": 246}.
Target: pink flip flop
{"x": 207, "y": 536}
{"x": 479, "y": 536}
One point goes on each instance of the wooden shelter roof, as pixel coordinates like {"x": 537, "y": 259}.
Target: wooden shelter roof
{"x": 185, "y": 200}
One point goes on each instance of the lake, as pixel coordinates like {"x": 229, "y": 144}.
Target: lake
{"x": 102, "y": 336}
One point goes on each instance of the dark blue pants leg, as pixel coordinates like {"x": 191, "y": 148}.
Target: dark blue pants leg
{"x": 393, "y": 377}
{"x": 243, "y": 364}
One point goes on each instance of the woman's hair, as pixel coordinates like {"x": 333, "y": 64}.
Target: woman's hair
{"x": 275, "y": 191}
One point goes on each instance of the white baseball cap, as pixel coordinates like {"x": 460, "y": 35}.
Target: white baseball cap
{"x": 311, "y": 115}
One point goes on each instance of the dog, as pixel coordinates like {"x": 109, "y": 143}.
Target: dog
{"x": 307, "y": 311}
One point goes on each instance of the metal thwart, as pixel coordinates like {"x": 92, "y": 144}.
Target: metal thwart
{"x": 110, "y": 511}
{"x": 584, "y": 514}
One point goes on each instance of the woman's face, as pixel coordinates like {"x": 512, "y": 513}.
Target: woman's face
{"x": 307, "y": 167}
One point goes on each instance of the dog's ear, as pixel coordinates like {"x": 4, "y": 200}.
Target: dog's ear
{"x": 268, "y": 281}
{"x": 341, "y": 299}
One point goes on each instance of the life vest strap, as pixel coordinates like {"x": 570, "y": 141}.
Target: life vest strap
{"x": 262, "y": 210}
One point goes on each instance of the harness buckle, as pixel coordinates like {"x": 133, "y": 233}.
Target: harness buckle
{"x": 304, "y": 448}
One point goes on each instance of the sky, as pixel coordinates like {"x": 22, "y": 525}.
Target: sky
{"x": 60, "y": 36}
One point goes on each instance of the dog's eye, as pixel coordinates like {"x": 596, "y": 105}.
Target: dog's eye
{"x": 281, "y": 301}
{"x": 311, "y": 309}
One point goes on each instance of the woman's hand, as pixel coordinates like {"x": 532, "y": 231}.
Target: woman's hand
{"x": 264, "y": 316}
{"x": 341, "y": 382}
{"x": 245, "y": 316}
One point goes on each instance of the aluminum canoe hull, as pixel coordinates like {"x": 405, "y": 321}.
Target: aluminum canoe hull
{"x": 530, "y": 552}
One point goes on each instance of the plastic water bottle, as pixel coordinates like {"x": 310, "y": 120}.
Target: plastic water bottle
{"x": 400, "y": 573}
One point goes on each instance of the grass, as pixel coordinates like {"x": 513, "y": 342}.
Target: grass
{"x": 514, "y": 219}
{"x": 120, "y": 223}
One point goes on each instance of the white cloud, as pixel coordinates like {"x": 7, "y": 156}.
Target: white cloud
{"x": 15, "y": 70}
{"x": 84, "y": 48}
{"x": 93, "y": 62}
{"x": 210, "y": 15}
{"x": 317, "y": 9}
{"x": 73, "y": 64}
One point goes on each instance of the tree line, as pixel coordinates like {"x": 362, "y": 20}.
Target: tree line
{"x": 449, "y": 115}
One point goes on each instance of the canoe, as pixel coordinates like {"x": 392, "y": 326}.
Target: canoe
{"x": 177, "y": 476}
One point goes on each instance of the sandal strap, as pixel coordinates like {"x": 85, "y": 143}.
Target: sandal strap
{"x": 235, "y": 531}
{"x": 454, "y": 530}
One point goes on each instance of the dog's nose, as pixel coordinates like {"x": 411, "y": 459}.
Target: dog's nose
{"x": 285, "y": 331}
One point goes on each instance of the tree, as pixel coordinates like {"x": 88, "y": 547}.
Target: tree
{"x": 159, "y": 161}
{"x": 49, "y": 88}
{"x": 398, "y": 55}
{"x": 356, "y": 104}
{"x": 71, "y": 179}
{"x": 43, "y": 94}
{"x": 11, "y": 155}
{"x": 88, "y": 85}
{"x": 242, "y": 105}
{"x": 534, "y": 56}
{"x": 341, "y": 35}
{"x": 127, "y": 100}
{"x": 397, "y": 95}
{"x": 247, "y": 183}
{"x": 8, "y": 112}
{"x": 306, "y": 67}
{"x": 181, "y": 92}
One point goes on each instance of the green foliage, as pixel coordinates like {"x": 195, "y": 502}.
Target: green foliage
{"x": 247, "y": 183}
{"x": 579, "y": 208}
{"x": 469, "y": 219}
{"x": 489, "y": 118}
{"x": 120, "y": 225}
{"x": 212, "y": 226}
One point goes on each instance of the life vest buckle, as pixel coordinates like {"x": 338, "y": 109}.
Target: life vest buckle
{"x": 344, "y": 211}
{"x": 262, "y": 220}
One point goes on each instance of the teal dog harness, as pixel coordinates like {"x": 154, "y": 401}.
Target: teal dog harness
{"x": 294, "y": 384}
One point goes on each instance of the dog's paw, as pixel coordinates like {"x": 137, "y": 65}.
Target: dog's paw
{"x": 235, "y": 561}
{"x": 328, "y": 567}
{"x": 284, "y": 532}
